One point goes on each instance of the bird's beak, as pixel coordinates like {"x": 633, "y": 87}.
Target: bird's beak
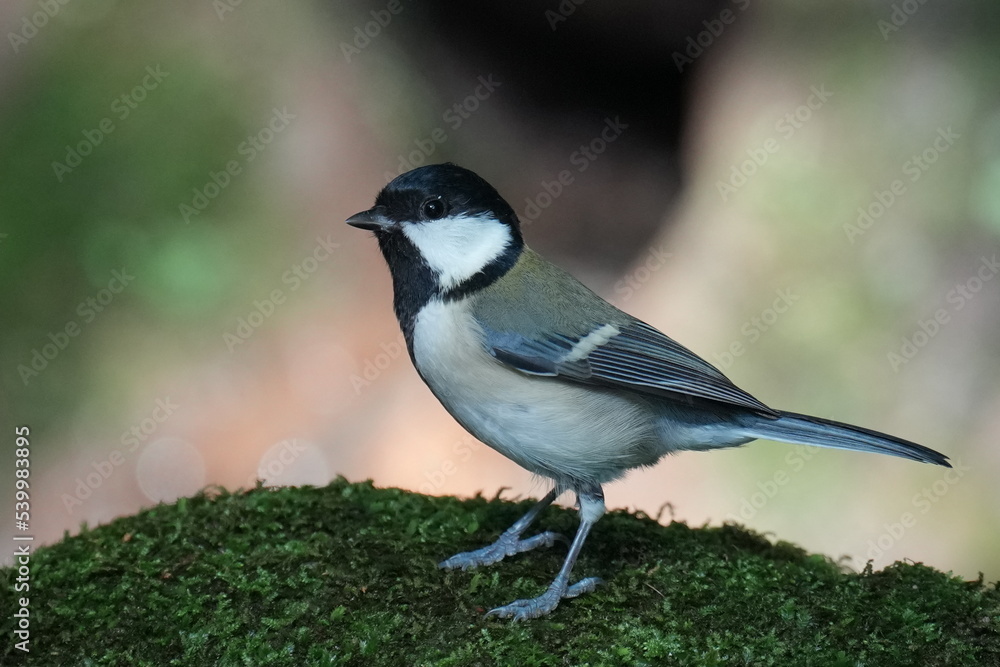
{"x": 373, "y": 219}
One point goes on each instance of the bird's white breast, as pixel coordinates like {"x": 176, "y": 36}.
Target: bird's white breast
{"x": 550, "y": 426}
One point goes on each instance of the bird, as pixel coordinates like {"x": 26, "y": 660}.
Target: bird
{"x": 540, "y": 368}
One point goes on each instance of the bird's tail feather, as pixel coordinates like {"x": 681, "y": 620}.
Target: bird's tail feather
{"x": 806, "y": 430}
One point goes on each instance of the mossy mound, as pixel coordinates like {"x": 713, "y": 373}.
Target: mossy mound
{"x": 346, "y": 575}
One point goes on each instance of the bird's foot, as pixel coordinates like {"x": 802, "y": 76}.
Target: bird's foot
{"x": 507, "y": 545}
{"x": 534, "y": 607}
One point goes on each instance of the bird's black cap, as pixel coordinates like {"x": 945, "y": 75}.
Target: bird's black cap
{"x": 460, "y": 191}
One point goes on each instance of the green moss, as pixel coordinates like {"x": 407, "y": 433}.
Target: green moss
{"x": 346, "y": 575}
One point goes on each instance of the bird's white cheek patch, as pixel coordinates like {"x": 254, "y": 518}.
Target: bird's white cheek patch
{"x": 458, "y": 248}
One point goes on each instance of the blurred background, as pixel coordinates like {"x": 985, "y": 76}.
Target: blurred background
{"x": 806, "y": 194}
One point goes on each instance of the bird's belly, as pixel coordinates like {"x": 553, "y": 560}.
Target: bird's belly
{"x": 549, "y": 426}
{"x": 555, "y": 430}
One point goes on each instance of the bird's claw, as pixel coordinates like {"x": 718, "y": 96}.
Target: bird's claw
{"x": 506, "y": 545}
{"x": 521, "y": 610}
{"x": 588, "y": 585}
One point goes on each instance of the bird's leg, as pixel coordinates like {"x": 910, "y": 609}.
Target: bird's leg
{"x": 591, "y": 502}
{"x": 510, "y": 542}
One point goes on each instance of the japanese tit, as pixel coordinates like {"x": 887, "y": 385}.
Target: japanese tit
{"x": 549, "y": 374}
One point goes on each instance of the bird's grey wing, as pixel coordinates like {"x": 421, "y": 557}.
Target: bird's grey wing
{"x": 632, "y": 355}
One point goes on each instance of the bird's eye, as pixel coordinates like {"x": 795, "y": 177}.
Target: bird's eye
{"x": 433, "y": 209}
